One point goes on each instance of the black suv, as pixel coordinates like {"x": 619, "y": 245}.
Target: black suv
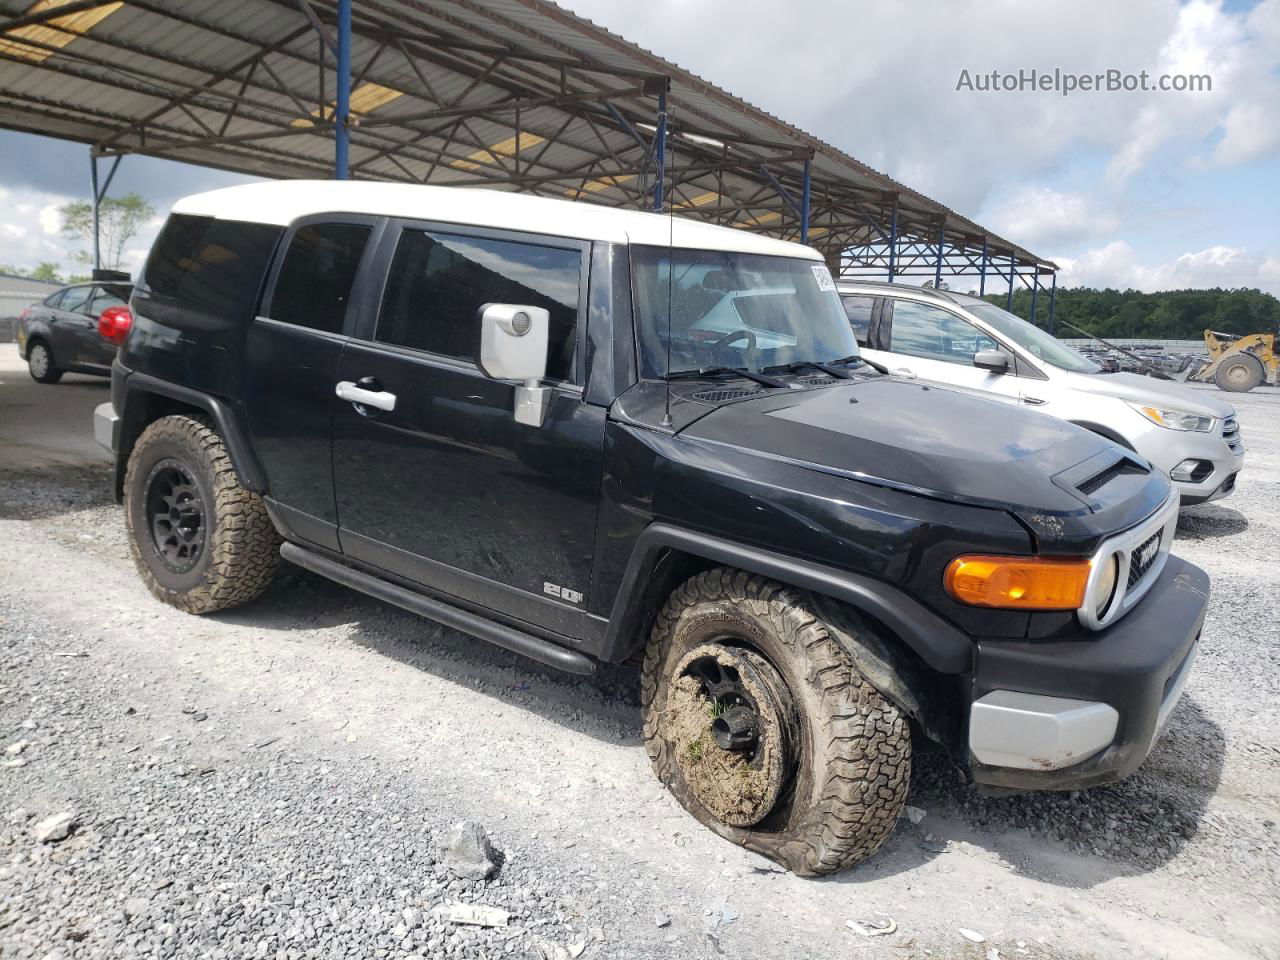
{"x": 592, "y": 435}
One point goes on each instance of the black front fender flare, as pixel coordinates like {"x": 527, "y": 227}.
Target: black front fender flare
{"x": 939, "y": 644}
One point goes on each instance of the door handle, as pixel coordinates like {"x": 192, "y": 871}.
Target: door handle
{"x": 1033, "y": 401}
{"x": 904, "y": 372}
{"x": 378, "y": 399}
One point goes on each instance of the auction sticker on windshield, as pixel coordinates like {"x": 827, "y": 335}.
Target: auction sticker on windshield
{"x": 823, "y": 276}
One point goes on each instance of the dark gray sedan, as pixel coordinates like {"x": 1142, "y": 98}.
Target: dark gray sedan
{"x": 60, "y": 333}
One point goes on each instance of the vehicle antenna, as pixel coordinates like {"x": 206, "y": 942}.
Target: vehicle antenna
{"x": 664, "y": 121}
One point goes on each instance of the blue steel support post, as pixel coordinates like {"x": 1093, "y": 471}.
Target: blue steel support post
{"x": 1013, "y": 266}
{"x": 341, "y": 134}
{"x": 1053, "y": 296}
{"x": 804, "y": 206}
{"x": 1035, "y": 292}
{"x": 893, "y": 238}
{"x": 942, "y": 239}
{"x": 660, "y": 153}
{"x": 982, "y": 270}
{"x": 93, "y": 185}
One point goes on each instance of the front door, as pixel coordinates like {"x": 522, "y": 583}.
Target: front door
{"x": 436, "y": 482}
{"x": 919, "y": 340}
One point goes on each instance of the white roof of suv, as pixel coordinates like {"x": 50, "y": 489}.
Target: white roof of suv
{"x": 283, "y": 201}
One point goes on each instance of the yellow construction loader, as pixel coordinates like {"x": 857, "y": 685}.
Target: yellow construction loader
{"x": 1239, "y": 364}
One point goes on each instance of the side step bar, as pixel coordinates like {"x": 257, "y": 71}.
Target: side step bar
{"x": 517, "y": 641}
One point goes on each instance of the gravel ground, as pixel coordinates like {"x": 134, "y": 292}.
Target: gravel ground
{"x": 279, "y": 780}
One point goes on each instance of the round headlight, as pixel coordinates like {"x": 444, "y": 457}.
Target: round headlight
{"x": 1105, "y": 588}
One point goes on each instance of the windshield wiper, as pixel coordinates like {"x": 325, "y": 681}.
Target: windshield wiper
{"x": 837, "y": 372}
{"x": 880, "y": 367}
{"x": 721, "y": 371}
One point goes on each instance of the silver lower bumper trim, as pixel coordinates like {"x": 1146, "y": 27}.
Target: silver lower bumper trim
{"x": 1029, "y": 731}
{"x": 105, "y": 425}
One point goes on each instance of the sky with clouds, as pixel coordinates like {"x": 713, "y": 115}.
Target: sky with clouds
{"x": 1154, "y": 190}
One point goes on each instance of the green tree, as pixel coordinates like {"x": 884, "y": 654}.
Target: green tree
{"x": 46, "y": 271}
{"x": 118, "y": 221}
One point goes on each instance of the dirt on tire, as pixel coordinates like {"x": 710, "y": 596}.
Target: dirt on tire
{"x": 853, "y": 750}
{"x": 242, "y": 547}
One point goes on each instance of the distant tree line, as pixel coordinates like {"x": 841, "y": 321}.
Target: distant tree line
{"x": 1167, "y": 315}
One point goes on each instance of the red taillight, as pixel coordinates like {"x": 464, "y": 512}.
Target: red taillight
{"x": 114, "y": 323}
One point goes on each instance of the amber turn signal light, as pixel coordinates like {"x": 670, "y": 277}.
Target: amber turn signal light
{"x": 1018, "y": 583}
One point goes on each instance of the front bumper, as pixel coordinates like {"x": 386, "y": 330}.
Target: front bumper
{"x": 1066, "y": 714}
{"x": 1166, "y": 449}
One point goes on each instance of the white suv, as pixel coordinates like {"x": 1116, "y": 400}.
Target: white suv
{"x": 963, "y": 341}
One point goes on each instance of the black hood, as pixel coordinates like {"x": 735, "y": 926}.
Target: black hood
{"x": 937, "y": 443}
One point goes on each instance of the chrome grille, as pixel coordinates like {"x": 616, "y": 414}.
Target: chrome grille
{"x": 1142, "y": 559}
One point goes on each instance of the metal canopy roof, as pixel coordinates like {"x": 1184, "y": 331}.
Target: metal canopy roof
{"x": 512, "y": 94}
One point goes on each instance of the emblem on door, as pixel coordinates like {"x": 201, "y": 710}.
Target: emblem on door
{"x": 561, "y": 593}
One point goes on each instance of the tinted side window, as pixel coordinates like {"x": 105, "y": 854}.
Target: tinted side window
{"x": 858, "y": 310}
{"x": 920, "y": 330}
{"x": 438, "y": 282}
{"x": 210, "y": 267}
{"x": 53, "y": 299}
{"x": 315, "y": 280}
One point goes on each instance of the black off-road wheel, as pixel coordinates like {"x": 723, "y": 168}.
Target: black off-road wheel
{"x": 200, "y": 541}
{"x": 40, "y": 363}
{"x": 1239, "y": 374}
{"x": 757, "y": 720}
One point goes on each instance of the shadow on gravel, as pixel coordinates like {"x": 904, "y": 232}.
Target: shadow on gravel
{"x": 1074, "y": 839}
{"x": 601, "y": 706}
{"x": 1208, "y": 521}
{"x": 40, "y": 493}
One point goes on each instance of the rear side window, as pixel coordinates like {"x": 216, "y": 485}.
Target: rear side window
{"x": 54, "y": 298}
{"x": 858, "y": 309}
{"x": 105, "y": 297}
{"x": 75, "y": 298}
{"x": 314, "y": 286}
{"x": 213, "y": 267}
{"x": 438, "y": 282}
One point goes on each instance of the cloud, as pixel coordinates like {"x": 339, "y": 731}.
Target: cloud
{"x": 1043, "y": 216}
{"x": 882, "y": 86}
{"x": 50, "y": 222}
{"x": 1117, "y": 265}
{"x": 30, "y": 233}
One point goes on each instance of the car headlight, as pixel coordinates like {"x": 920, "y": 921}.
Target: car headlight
{"x": 1104, "y": 587}
{"x": 1175, "y": 419}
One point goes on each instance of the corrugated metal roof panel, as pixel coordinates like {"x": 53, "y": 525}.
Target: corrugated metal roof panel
{"x": 237, "y": 84}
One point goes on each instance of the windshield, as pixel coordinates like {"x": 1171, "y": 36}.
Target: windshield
{"x": 1031, "y": 338}
{"x": 734, "y": 310}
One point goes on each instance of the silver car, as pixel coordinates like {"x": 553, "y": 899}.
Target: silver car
{"x": 963, "y": 341}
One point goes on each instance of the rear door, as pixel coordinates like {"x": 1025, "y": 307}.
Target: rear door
{"x": 444, "y": 488}
{"x": 96, "y": 350}
{"x": 292, "y": 354}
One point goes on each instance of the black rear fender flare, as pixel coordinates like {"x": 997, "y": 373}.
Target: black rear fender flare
{"x": 147, "y": 398}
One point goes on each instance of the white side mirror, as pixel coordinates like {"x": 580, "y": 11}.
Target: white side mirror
{"x": 513, "y": 346}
